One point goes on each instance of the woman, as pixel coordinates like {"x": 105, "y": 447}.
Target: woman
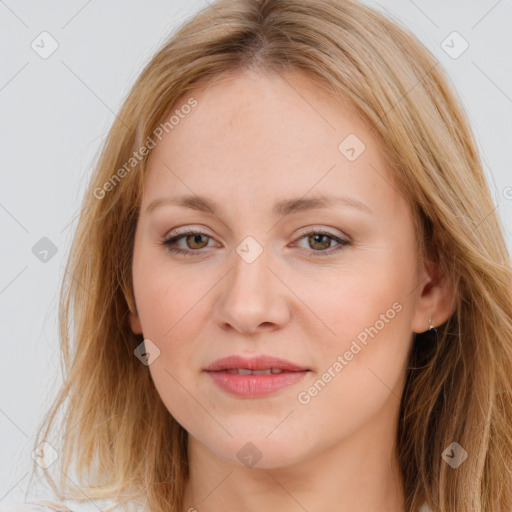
{"x": 289, "y": 286}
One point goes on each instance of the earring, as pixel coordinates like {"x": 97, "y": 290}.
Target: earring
{"x": 431, "y": 327}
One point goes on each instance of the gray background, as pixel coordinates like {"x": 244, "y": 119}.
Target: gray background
{"x": 56, "y": 111}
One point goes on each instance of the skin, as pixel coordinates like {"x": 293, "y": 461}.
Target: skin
{"x": 255, "y": 138}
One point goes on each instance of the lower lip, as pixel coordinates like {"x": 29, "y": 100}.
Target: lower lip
{"x": 255, "y": 385}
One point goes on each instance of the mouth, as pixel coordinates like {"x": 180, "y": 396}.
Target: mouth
{"x": 254, "y": 377}
{"x": 263, "y": 363}
{"x": 245, "y": 371}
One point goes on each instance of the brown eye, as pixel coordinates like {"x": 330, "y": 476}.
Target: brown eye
{"x": 195, "y": 240}
{"x": 192, "y": 240}
{"x": 317, "y": 243}
{"x": 320, "y": 242}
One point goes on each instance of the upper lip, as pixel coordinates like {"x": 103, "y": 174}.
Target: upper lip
{"x": 254, "y": 363}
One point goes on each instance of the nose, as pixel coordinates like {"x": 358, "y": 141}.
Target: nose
{"x": 251, "y": 297}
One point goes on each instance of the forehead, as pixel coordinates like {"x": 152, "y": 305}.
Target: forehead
{"x": 262, "y": 135}
{"x": 285, "y": 111}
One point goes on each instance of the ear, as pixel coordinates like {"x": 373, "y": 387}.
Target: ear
{"x": 133, "y": 316}
{"x": 135, "y": 323}
{"x": 435, "y": 299}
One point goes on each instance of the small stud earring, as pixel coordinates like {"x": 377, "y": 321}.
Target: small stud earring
{"x": 431, "y": 327}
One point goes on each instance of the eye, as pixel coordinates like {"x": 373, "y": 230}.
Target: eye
{"x": 192, "y": 237}
{"x": 318, "y": 239}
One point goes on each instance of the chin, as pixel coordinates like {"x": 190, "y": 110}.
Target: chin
{"x": 255, "y": 449}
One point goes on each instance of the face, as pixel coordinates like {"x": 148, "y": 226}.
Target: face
{"x": 253, "y": 280}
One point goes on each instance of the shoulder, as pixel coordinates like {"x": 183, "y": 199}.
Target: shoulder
{"x": 35, "y": 506}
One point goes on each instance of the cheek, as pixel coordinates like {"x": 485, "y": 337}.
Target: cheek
{"x": 366, "y": 314}
{"x": 358, "y": 373}
{"x": 169, "y": 299}
{"x": 350, "y": 304}
{"x": 178, "y": 394}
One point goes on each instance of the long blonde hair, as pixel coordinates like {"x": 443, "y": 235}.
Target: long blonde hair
{"x": 123, "y": 441}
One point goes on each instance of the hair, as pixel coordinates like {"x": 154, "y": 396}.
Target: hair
{"x": 126, "y": 445}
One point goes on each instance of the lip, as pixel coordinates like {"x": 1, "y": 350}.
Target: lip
{"x": 253, "y": 386}
{"x": 254, "y": 363}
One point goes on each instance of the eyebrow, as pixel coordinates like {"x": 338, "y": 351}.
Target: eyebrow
{"x": 281, "y": 208}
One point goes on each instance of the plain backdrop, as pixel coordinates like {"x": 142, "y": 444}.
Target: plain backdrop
{"x": 56, "y": 111}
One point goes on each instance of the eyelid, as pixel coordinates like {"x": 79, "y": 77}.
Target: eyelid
{"x": 342, "y": 241}
{"x": 308, "y": 229}
{"x": 187, "y": 230}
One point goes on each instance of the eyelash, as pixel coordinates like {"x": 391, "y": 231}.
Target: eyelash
{"x": 341, "y": 242}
